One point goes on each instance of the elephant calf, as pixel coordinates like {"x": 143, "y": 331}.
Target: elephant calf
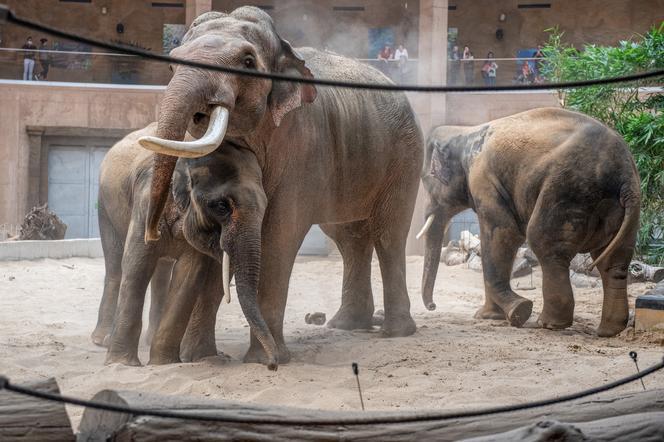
{"x": 193, "y": 283}
{"x": 559, "y": 179}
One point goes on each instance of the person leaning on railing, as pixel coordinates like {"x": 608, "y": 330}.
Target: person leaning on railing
{"x": 28, "y": 59}
{"x": 44, "y": 59}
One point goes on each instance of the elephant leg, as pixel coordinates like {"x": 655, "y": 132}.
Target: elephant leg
{"x": 138, "y": 263}
{"x": 281, "y": 239}
{"x": 391, "y": 251}
{"x": 113, "y": 245}
{"x": 501, "y": 239}
{"x": 199, "y": 339}
{"x": 558, "y": 310}
{"x": 159, "y": 284}
{"x": 615, "y": 309}
{"x": 189, "y": 275}
{"x": 490, "y": 310}
{"x": 356, "y": 248}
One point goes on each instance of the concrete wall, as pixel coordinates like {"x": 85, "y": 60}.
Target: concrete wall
{"x": 91, "y": 110}
{"x": 315, "y": 23}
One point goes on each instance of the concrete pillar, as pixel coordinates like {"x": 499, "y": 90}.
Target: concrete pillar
{"x": 430, "y": 108}
{"x": 432, "y": 66}
{"x": 194, "y": 8}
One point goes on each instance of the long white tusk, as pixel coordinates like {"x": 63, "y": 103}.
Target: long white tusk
{"x": 426, "y": 226}
{"x": 226, "y": 277}
{"x": 192, "y": 149}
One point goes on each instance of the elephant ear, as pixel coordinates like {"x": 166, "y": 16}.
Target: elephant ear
{"x": 286, "y": 96}
{"x": 181, "y": 188}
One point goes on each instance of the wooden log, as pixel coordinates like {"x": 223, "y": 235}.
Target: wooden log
{"x": 99, "y": 425}
{"x": 23, "y": 418}
{"x": 642, "y": 427}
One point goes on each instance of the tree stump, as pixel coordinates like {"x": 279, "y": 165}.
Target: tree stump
{"x": 23, "y": 418}
{"x": 100, "y": 426}
{"x": 42, "y": 224}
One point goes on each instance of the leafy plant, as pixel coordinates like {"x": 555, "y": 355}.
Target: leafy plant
{"x": 635, "y": 110}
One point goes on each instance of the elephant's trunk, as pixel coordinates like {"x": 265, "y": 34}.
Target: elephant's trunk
{"x": 247, "y": 260}
{"x": 434, "y": 242}
{"x": 180, "y": 102}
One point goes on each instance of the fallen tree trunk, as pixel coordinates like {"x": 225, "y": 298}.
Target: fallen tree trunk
{"x": 23, "y": 418}
{"x": 100, "y": 425}
{"x": 642, "y": 427}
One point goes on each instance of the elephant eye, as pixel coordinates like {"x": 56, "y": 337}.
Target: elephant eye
{"x": 249, "y": 62}
{"x": 222, "y": 208}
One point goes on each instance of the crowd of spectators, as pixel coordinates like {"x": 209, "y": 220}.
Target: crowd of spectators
{"x": 528, "y": 70}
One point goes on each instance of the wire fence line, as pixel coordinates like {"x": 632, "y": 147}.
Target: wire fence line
{"x": 7, "y": 15}
{"x": 386, "y": 419}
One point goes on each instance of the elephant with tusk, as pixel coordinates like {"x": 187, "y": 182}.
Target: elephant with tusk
{"x": 561, "y": 180}
{"x": 347, "y": 160}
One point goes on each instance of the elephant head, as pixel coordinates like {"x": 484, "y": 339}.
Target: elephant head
{"x": 222, "y": 202}
{"x": 212, "y": 105}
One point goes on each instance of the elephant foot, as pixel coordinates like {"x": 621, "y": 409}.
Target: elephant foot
{"x": 397, "y": 328}
{"x": 99, "y": 336}
{"x": 490, "y": 312}
{"x": 519, "y": 311}
{"x": 554, "y": 322}
{"x": 352, "y": 318}
{"x": 194, "y": 353}
{"x": 122, "y": 358}
{"x": 256, "y": 355}
{"x": 163, "y": 359}
{"x": 607, "y": 330}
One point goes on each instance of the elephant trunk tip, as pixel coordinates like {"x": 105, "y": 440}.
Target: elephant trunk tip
{"x": 431, "y": 306}
{"x": 272, "y": 365}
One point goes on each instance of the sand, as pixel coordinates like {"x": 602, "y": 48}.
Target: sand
{"x": 48, "y": 309}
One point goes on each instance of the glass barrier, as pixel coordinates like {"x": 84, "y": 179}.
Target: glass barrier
{"x": 85, "y": 65}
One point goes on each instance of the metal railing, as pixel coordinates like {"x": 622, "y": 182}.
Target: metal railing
{"x": 83, "y": 66}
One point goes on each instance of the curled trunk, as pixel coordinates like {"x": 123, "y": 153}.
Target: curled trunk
{"x": 247, "y": 260}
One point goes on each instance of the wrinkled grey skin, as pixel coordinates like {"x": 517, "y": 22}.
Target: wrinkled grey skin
{"x": 559, "y": 179}
{"x": 194, "y": 290}
{"x": 347, "y": 160}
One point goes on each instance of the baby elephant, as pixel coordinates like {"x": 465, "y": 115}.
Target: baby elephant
{"x": 185, "y": 294}
{"x": 559, "y": 179}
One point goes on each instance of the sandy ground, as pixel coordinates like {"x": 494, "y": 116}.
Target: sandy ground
{"x": 48, "y": 309}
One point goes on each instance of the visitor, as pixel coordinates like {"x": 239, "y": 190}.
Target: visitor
{"x": 44, "y": 59}
{"x": 28, "y": 59}
{"x": 385, "y": 55}
{"x": 490, "y": 70}
{"x": 526, "y": 76}
{"x": 468, "y": 66}
{"x": 401, "y": 56}
{"x": 454, "y": 65}
{"x": 539, "y": 65}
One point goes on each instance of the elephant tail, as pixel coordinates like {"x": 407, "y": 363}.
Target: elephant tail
{"x": 630, "y": 198}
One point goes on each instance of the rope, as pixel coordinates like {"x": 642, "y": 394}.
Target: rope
{"x": 359, "y": 420}
{"x": 9, "y": 16}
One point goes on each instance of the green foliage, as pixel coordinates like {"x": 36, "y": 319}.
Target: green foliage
{"x": 637, "y": 114}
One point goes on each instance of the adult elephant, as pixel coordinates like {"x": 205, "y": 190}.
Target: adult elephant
{"x": 345, "y": 159}
{"x": 559, "y": 179}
